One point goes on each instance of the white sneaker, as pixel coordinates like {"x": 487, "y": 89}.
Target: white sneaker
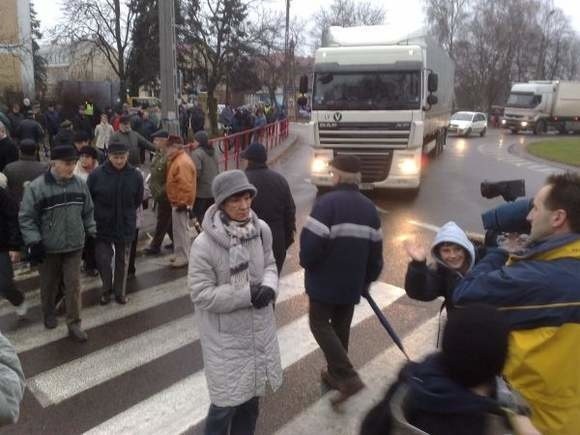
{"x": 22, "y": 309}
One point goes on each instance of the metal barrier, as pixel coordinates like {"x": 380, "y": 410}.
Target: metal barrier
{"x": 231, "y": 146}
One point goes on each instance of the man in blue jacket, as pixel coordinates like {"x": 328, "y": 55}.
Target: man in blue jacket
{"x": 539, "y": 290}
{"x": 341, "y": 250}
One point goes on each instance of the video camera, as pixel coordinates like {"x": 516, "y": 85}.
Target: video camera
{"x": 506, "y": 218}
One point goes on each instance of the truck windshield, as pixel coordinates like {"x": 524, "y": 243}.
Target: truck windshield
{"x": 527, "y": 100}
{"x": 396, "y": 90}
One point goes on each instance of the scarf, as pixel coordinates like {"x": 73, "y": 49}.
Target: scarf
{"x": 240, "y": 233}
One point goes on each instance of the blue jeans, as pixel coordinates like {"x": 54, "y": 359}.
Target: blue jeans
{"x": 233, "y": 420}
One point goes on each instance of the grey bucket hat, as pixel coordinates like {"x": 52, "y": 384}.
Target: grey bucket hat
{"x": 229, "y": 183}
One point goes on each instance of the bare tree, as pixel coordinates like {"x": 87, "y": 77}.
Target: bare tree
{"x": 346, "y": 13}
{"x": 107, "y": 24}
{"x": 447, "y": 20}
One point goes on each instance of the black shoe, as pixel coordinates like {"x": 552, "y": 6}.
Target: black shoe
{"x": 50, "y": 322}
{"x": 76, "y": 333}
{"x": 152, "y": 251}
{"x": 122, "y": 300}
{"x": 91, "y": 272}
{"x": 131, "y": 274}
{"x": 169, "y": 246}
{"x": 105, "y": 298}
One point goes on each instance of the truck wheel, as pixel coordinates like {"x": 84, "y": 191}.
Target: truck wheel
{"x": 540, "y": 127}
{"x": 468, "y": 132}
{"x": 483, "y": 132}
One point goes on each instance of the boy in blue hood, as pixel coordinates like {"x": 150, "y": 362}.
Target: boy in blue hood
{"x": 454, "y": 256}
{"x": 451, "y": 392}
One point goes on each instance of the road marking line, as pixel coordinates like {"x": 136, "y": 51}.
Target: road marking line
{"x": 184, "y": 404}
{"x": 424, "y": 225}
{"x": 69, "y": 379}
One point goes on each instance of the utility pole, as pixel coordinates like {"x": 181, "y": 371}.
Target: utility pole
{"x": 286, "y": 58}
{"x": 167, "y": 50}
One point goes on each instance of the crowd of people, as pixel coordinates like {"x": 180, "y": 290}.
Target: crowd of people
{"x": 512, "y": 313}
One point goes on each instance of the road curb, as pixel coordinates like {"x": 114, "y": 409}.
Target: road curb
{"x": 284, "y": 152}
{"x": 521, "y": 150}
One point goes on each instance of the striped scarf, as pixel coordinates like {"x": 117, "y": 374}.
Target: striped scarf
{"x": 240, "y": 233}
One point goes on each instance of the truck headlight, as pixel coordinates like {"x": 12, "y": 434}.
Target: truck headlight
{"x": 524, "y": 123}
{"x": 408, "y": 166}
{"x": 503, "y": 121}
{"x": 319, "y": 165}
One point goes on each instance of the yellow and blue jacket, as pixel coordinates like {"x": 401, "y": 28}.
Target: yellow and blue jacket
{"x": 540, "y": 294}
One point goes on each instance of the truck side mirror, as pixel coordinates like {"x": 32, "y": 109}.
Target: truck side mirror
{"x": 432, "y": 100}
{"x": 433, "y": 82}
{"x": 303, "y": 88}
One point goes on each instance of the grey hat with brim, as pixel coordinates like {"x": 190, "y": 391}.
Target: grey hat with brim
{"x": 230, "y": 183}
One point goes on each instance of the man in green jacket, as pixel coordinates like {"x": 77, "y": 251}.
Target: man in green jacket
{"x": 157, "y": 183}
{"x": 55, "y": 215}
{"x": 133, "y": 140}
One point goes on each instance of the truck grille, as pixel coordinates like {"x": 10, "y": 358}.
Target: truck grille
{"x": 375, "y": 165}
{"x": 368, "y": 134}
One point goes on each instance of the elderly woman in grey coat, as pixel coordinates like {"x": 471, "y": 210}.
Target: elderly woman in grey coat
{"x": 234, "y": 281}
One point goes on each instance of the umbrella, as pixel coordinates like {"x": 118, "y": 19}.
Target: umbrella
{"x": 386, "y": 323}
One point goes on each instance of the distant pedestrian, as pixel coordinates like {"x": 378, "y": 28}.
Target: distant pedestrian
{"x": 24, "y": 170}
{"x": 55, "y": 216}
{"x": 341, "y": 251}
{"x": 133, "y": 140}
{"x": 82, "y": 140}
{"x": 197, "y": 118}
{"x": 52, "y": 123}
{"x": 65, "y": 135}
{"x": 274, "y": 203}
{"x": 117, "y": 189}
{"x": 8, "y": 150}
{"x": 234, "y": 283}
{"x": 103, "y": 133}
{"x": 15, "y": 116}
{"x": 83, "y": 122}
{"x": 157, "y": 186}
{"x": 207, "y": 166}
{"x": 181, "y": 188}
{"x": 29, "y": 128}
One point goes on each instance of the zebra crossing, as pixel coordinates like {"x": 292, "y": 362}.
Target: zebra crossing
{"x": 122, "y": 377}
{"x": 502, "y": 154}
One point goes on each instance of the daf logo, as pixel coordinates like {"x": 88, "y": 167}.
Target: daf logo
{"x": 337, "y": 116}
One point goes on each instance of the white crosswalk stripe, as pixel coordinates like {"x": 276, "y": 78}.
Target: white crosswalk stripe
{"x": 503, "y": 155}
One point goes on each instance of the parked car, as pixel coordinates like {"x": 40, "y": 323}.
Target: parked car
{"x": 467, "y": 123}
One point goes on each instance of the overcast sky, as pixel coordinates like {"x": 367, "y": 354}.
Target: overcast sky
{"x": 403, "y": 15}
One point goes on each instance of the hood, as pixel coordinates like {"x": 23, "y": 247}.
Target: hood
{"x": 460, "y": 124}
{"x": 431, "y": 390}
{"x": 451, "y": 232}
{"x": 214, "y": 227}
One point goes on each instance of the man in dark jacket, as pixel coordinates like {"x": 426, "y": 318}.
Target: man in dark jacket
{"x": 52, "y": 123}
{"x": 133, "y": 140}
{"x": 55, "y": 216}
{"x": 341, "y": 250}
{"x": 8, "y": 151}
{"x": 10, "y": 244}
{"x": 23, "y": 171}
{"x": 15, "y": 117}
{"x": 451, "y": 392}
{"x": 273, "y": 203}
{"x": 117, "y": 190}
{"x": 197, "y": 118}
{"x": 157, "y": 184}
{"x": 29, "y": 128}
{"x": 84, "y": 122}
{"x": 207, "y": 166}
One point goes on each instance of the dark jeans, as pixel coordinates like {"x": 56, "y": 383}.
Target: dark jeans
{"x": 132, "y": 254}
{"x": 163, "y": 224}
{"x": 116, "y": 282}
{"x": 89, "y": 254}
{"x": 200, "y": 207}
{"x": 240, "y": 420}
{"x": 330, "y": 326}
{"x": 7, "y": 287}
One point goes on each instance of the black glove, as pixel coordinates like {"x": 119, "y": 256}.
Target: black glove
{"x": 262, "y": 295}
{"x": 181, "y": 208}
{"x": 366, "y": 290}
{"x": 35, "y": 253}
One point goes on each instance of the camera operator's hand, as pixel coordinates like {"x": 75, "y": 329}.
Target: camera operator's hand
{"x": 35, "y": 253}
{"x": 262, "y": 295}
{"x": 416, "y": 251}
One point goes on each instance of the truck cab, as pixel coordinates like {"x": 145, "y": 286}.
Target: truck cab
{"x": 528, "y": 105}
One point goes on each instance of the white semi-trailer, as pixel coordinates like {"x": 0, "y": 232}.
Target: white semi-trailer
{"x": 539, "y": 105}
{"x": 383, "y": 97}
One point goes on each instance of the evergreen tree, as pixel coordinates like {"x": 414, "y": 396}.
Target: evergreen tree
{"x": 39, "y": 62}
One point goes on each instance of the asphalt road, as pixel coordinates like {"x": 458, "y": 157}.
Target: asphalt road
{"x": 142, "y": 372}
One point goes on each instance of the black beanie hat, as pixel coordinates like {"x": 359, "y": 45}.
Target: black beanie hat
{"x": 88, "y": 151}
{"x": 256, "y": 152}
{"x": 64, "y": 152}
{"x": 81, "y": 136}
{"x": 346, "y": 163}
{"x": 28, "y": 147}
{"x": 475, "y": 344}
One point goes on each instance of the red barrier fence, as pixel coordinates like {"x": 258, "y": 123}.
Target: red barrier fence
{"x": 231, "y": 146}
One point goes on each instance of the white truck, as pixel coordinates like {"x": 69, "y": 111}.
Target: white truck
{"x": 539, "y": 105}
{"x": 383, "y": 97}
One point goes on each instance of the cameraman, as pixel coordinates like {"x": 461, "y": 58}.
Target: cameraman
{"x": 539, "y": 291}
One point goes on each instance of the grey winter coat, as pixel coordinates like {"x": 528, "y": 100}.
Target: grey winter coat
{"x": 135, "y": 142}
{"x": 239, "y": 342}
{"x": 58, "y": 214}
{"x": 22, "y": 171}
{"x": 12, "y": 383}
{"x": 207, "y": 166}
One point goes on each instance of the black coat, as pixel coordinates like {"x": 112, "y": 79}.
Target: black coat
{"x": 64, "y": 137}
{"x": 21, "y": 171}
{"x": 10, "y": 238}
{"x": 275, "y": 205}
{"x": 52, "y": 122}
{"x": 84, "y": 123}
{"x": 30, "y": 129}
{"x": 8, "y": 152}
{"x": 117, "y": 195}
{"x": 15, "y": 119}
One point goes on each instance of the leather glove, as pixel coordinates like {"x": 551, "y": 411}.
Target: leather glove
{"x": 262, "y": 295}
{"x": 366, "y": 290}
{"x": 35, "y": 253}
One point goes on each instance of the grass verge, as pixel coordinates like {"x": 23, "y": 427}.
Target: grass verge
{"x": 563, "y": 150}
